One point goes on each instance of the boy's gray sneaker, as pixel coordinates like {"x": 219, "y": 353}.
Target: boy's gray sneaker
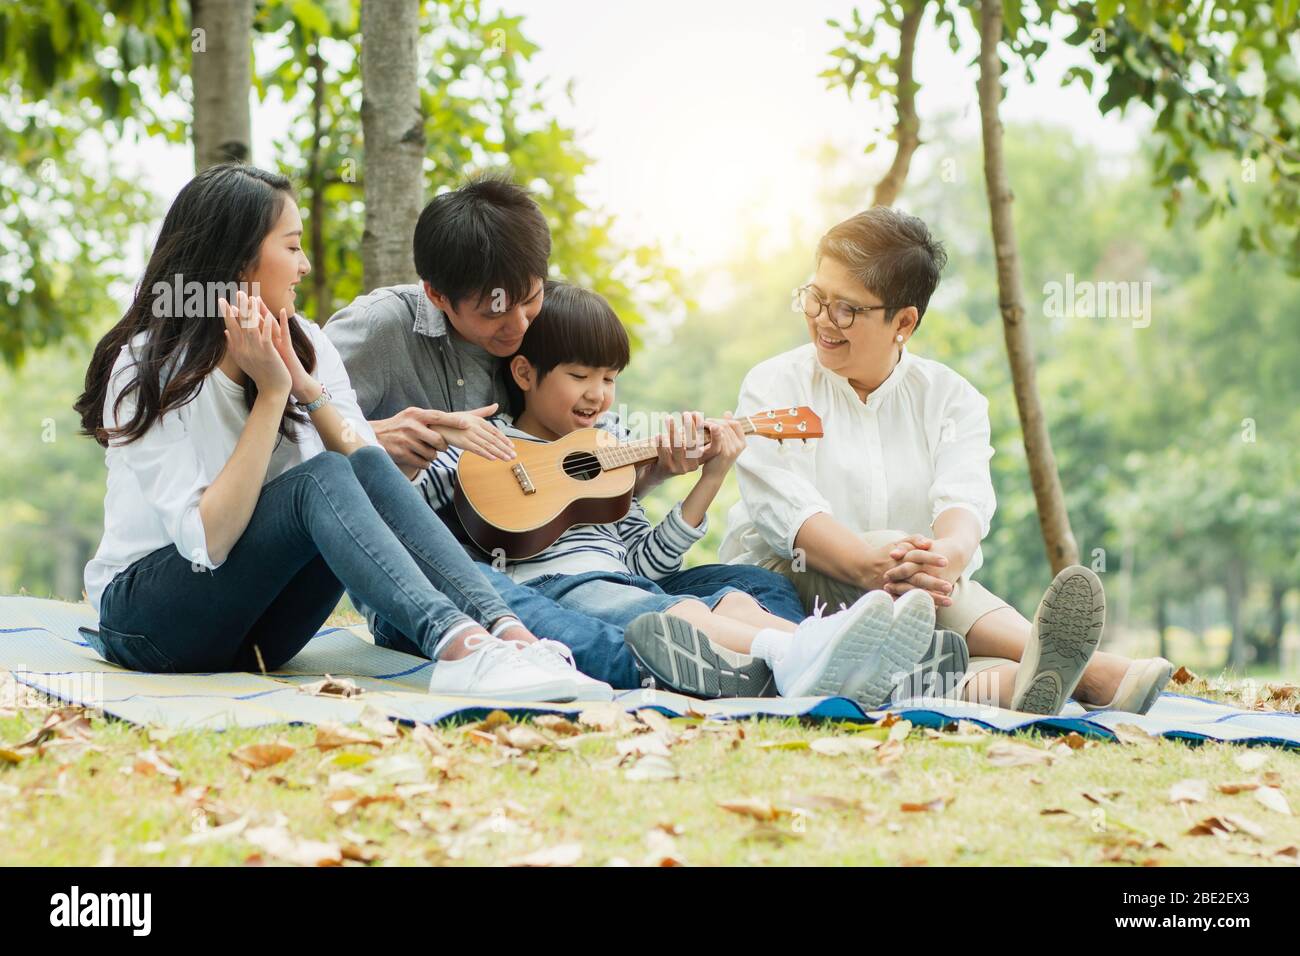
{"x": 679, "y": 657}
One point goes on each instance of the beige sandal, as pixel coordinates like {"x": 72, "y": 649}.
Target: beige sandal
{"x": 1140, "y": 686}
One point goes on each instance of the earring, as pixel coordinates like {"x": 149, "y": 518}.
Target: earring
{"x": 898, "y": 338}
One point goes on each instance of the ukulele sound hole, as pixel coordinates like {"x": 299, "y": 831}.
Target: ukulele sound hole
{"x": 581, "y": 465}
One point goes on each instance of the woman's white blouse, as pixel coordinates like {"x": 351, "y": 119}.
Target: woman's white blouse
{"x": 916, "y": 447}
{"x": 155, "y": 482}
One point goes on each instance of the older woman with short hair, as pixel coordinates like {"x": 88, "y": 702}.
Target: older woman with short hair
{"x": 897, "y": 495}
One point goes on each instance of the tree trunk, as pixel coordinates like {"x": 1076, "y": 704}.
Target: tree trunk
{"x": 1062, "y": 550}
{"x": 321, "y": 305}
{"x": 1234, "y": 593}
{"x": 393, "y": 132}
{"x": 1162, "y": 625}
{"x": 222, "y": 75}
{"x": 907, "y": 128}
{"x": 1276, "y": 623}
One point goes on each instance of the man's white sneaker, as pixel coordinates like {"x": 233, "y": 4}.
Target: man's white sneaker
{"x": 499, "y": 670}
{"x": 826, "y": 650}
{"x": 557, "y": 659}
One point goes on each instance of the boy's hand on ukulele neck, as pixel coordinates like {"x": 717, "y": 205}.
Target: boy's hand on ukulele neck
{"x": 726, "y": 442}
{"x": 681, "y": 451}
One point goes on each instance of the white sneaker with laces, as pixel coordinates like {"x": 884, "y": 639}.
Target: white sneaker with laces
{"x": 497, "y": 669}
{"x": 557, "y": 659}
{"x": 826, "y": 650}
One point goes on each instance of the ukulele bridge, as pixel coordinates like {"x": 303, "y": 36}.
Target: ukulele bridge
{"x": 521, "y": 476}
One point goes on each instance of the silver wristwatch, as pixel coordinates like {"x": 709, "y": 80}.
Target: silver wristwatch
{"x": 321, "y": 400}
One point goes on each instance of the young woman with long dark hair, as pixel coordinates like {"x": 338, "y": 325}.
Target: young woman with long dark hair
{"x": 245, "y": 488}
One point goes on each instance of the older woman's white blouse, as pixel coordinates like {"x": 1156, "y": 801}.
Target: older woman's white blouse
{"x": 918, "y": 446}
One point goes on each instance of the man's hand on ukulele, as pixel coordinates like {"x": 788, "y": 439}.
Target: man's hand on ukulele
{"x": 414, "y": 436}
{"x": 471, "y": 431}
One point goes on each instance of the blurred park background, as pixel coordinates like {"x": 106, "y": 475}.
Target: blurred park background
{"x": 688, "y": 157}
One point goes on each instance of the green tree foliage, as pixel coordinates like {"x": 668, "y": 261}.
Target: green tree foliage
{"x": 480, "y": 114}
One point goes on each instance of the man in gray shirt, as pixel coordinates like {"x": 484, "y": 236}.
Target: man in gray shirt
{"x": 427, "y": 363}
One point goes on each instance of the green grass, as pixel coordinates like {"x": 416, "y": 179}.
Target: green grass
{"x": 83, "y": 803}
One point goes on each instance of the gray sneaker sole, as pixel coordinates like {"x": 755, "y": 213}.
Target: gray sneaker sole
{"x": 858, "y": 645}
{"x": 1068, "y": 623}
{"x": 896, "y": 652}
{"x": 682, "y": 659}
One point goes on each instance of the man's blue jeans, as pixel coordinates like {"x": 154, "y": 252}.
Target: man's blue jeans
{"x": 598, "y": 647}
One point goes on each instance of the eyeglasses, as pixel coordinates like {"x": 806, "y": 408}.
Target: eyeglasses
{"x": 842, "y": 314}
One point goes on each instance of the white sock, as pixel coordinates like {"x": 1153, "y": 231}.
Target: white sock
{"x": 771, "y": 645}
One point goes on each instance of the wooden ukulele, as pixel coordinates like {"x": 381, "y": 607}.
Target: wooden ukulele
{"x": 521, "y": 507}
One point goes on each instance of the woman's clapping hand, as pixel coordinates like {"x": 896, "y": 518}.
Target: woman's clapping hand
{"x": 250, "y": 341}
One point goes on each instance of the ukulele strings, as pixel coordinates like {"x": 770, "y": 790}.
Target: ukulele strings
{"x": 555, "y": 470}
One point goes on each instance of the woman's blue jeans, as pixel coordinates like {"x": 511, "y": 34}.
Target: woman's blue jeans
{"x": 334, "y": 521}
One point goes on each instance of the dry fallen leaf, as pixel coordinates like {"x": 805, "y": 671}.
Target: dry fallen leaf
{"x": 331, "y": 686}
{"x": 398, "y": 768}
{"x": 1104, "y": 797}
{"x": 217, "y": 834}
{"x": 565, "y": 854}
{"x": 1251, "y": 760}
{"x": 1133, "y": 734}
{"x": 1189, "y": 791}
{"x": 1225, "y": 824}
{"x": 522, "y": 737}
{"x": 899, "y": 729}
{"x": 889, "y": 751}
{"x": 643, "y": 745}
{"x": 755, "y": 807}
{"x": 1010, "y": 754}
{"x": 378, "y": 723}
{"x": 661, "y": 847}
{"x": 1274, "y": 799}
{"x": 345, "y": 800}
{"x": 658, "y": 723}
{"x": 926, "y": 806}
{"x": 261, "y": 756}
{"x": 557, "y": 725}
{"x": 1075, "y": 740}
{"x": 843, "y": 746}
{"x": 150, "y": 762}
{"x": 609, "y": 717}
{"x": 1183, "y": 676}
{"x": 332, "y": 736}
{"x": 822, "y": 801}
{"x": 1241, "y": 787}
{"x": 652, "y": 767}
{"x": 279, "y": 843}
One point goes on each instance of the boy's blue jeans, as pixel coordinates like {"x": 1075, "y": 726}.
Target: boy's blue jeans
{"x": 597, "y": 646}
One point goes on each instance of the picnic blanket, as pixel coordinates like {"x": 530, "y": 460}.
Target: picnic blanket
{"x": 41, "y": 647}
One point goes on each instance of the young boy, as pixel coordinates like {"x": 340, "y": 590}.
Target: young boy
{"x": 564, "y": 379}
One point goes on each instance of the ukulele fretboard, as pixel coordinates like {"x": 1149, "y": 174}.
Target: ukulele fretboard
{"x": 632, "y": 453}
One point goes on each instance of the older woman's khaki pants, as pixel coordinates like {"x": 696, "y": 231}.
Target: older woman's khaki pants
{"x": 970, "y": 599}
